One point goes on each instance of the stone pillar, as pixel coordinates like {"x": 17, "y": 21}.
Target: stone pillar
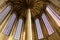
{"x": 30, "y": 31}
{"x": 23, "y": 33}
{"x": 29, "y": 26}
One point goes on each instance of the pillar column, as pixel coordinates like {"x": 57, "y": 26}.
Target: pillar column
{"x": 30, "y": 30}
{"x": 23, "y": 33}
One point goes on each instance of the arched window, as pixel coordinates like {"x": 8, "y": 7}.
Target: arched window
{"x": 9, "y": 25}
{"x": 4, "y": 13}
{"x": 54, "y": 15}
{"x": 47, "y": 24}
{"x": 18, "y": 31}
{"x": 39, "y": 30}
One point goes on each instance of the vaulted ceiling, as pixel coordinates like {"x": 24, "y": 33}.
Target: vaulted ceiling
{"x": 36, "y": 7}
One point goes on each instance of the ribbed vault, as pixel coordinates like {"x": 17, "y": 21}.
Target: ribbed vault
{"x": 36, "y": 6}
{"x": 29, "y": 20}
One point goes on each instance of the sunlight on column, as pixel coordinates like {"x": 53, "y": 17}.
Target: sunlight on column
{"x": 23, "y": 35}
{"x": 28, "y": 24}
